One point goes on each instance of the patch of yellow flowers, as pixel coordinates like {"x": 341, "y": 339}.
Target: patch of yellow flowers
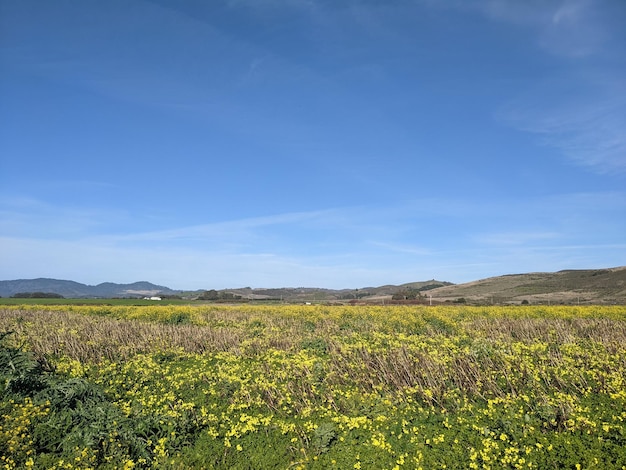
{"x": 398, "y": 386}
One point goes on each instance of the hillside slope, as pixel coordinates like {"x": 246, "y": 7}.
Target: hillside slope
{"x": 71, "y": 289}
{"x": 569, "y": 286}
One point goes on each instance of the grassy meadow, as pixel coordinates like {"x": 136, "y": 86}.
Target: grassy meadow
{"x": 312, "y": 387}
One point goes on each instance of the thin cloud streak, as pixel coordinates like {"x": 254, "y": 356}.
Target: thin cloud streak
{"x": 590, "y": 134}
{"x": 569, "y": 29}
{"x": 222, "y": 270}
{"x": 515, "y": 238}
{"x": 344, "y": 247}
{"x": 403, "y": 248}
{"x": 226, "y": 228}
{"x": 589, "y": 130}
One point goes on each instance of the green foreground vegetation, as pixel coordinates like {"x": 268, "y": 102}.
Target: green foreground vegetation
{"x": 347, "y": 387}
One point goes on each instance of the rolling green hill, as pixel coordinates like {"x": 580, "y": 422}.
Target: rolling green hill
{"x": 569, "y": 286}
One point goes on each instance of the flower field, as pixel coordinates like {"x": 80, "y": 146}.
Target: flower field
{"x": 311, "y": 386}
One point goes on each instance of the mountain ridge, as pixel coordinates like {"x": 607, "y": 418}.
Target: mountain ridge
{"x": 73, "y": 289}
{"x": 606, "y": 285}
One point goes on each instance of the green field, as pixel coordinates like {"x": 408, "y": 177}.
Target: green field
{"x": 318, "y": 387}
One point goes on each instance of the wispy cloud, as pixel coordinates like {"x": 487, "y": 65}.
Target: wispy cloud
{"x": 230, "y": 227}
{"x": 31, "y": 217}
{"x": 588, "y": 128}
{"x": 403, "y": 248}
{"x": 181, "y": 267}
{"x": 514, "y": 238}
{"x": 575, "y": 30}
{"x": 339, "y": 247}
{"x": 569, "y": 28}
{"x": 583, "y": 114}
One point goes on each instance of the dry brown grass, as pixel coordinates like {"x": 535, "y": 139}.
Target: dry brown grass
{"x": 610, "y": 333}
{"x": 480, "y": 356}
{"x": 93, "y": 338}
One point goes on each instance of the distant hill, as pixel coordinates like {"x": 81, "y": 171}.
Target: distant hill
{"x": 296, "y": 294}
{"x": 569, "y": 287}
{"x": 76, "y": 290}
{"x": 588, "y": 286}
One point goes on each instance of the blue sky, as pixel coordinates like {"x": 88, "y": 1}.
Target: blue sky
{"x": 342, "y": 144}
